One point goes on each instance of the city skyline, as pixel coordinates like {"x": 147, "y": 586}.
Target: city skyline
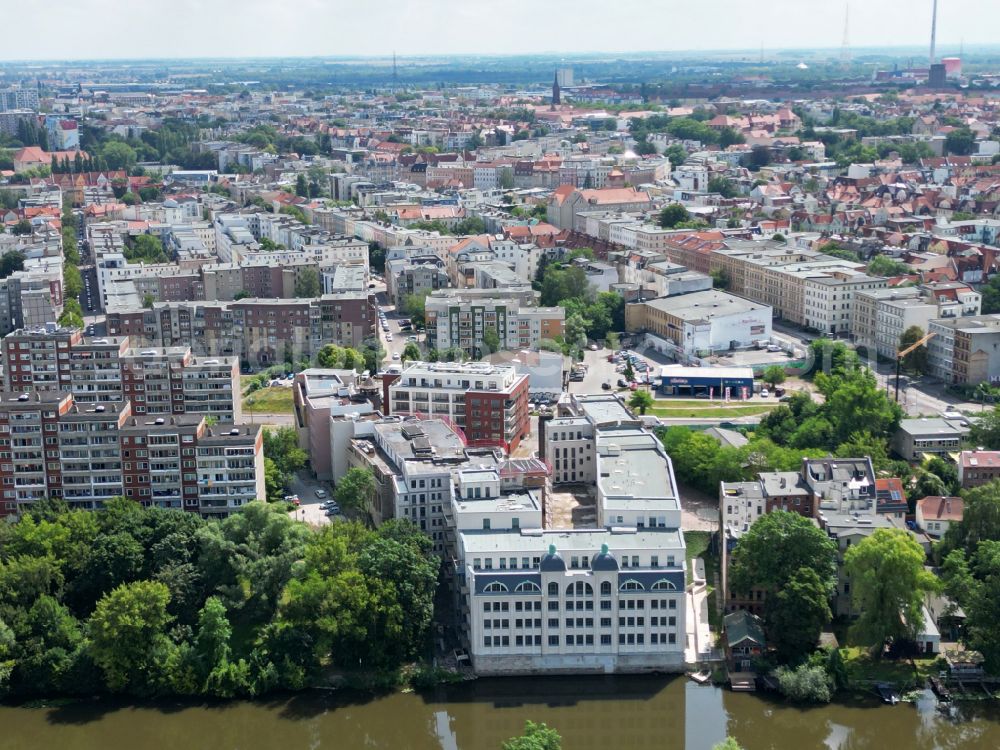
{"x": 97, "y": 29}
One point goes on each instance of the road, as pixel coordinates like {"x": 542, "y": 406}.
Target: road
{"x": 923, "y": 396}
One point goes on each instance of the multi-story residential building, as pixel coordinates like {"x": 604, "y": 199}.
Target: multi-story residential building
{"x": 52, "y": 446}
{"x": 881, "y": 316}
{"x": 462, "y": 318}
{"x": 979, "y": 360}
{"x": 488, "y": 402}
{"x": 935, "y": 514}
{"x": 326, "y": 402}
{"x": 835, "y": 491}
{"x": 977, "y": 468}
{"x": 414, "y": 276}
{"x": 156, "y": 381}
{"x": 18, "y": 97}
{"x": 256, "y": 331}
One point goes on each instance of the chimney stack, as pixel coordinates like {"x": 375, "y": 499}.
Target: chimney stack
{"x": 933, "y": 32}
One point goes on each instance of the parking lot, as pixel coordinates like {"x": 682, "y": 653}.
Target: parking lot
{"x": 600, "y": 371}
{"x": 309, "y": 511}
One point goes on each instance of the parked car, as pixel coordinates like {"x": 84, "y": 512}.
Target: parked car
{"x": 764, "y": 393}
{"x": 622, "y": 383}
{"x": 593, "y": 347}
{"x": 605, "y": 386}
{"x": 320, "y": 492}
{"x": 779, "y": 392}
{"x": 395, "y": 356}
{"x": 773, "y": 348}
{"x": 388, "y": 337}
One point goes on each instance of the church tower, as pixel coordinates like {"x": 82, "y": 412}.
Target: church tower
{"x": 555, "y": 90}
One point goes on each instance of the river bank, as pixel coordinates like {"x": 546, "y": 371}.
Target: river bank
{"x": 591, "y": 713}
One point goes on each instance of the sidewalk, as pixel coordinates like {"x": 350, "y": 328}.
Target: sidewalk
{"x": 699, "y": 644}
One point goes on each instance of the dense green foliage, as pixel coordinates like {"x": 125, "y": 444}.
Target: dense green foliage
{"x": 282, "y": 459}
{"x": 589, "y": 314}
{"x": 888, "y": 584}
{"x": 882, "y": 265}
{"x": 853, "y": 405}
{"x": 805, "y": 683}
{"x": 161, "y": 602}
{"x": 146, "y": 249}
{"x": 535, "y": 737}
{"x": 794, "y": 563}
{"x": 701, "y": 462}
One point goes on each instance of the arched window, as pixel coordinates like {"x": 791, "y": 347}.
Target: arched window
{"x": 631, "y": 585}
{"x": 553, "y": 589}
{"x": 579, "y": 588}
{"x": 529, "y": 587}
{"x": 606, "y": 588}
{"x": 663, "y": 585}
{"x": 495, "y": 588}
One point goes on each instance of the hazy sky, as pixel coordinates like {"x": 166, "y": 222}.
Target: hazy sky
{"x": 60, "y": 29}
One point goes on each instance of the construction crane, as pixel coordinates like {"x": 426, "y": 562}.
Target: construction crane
{"x": 903, "y": 352}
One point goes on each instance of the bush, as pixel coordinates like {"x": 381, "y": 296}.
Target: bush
{"x": 804, "y": 684}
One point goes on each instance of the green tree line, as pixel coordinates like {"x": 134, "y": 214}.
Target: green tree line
{"x": 150, "y": 602}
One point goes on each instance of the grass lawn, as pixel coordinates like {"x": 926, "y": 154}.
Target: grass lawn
{"x": 245, "y": 381}
{"x": 704, "y": 411}
{"x": 903, "y": 673}
{"x": 276, "y": 400}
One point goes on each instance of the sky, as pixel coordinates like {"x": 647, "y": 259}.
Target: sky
{"x": 87, "y": 29}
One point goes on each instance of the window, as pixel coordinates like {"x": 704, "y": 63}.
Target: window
{"x": 579, "y": 589}
{"x": 528, "y": 586}
{"x": 553, "y": 640}
{"x": 663, "y": 585}
{"x": 606, "y": 588}
{"x": 553, "y": 589}
{"x": 495, "y": 587}
{"x": 631, "y": 585}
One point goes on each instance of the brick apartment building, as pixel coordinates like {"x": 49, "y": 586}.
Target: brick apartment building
{"x": 488, "y": 402}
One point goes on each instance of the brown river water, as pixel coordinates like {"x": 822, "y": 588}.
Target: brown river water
{"x": 591, "y": 713}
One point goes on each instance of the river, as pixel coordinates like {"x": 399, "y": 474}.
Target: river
{"x": 592, "y": 713}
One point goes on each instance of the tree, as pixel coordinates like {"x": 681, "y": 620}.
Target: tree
{"x": 118, "y": 155}
{"x": 640, "y": 400}
{"x": 960, "y": 141}
{"x": 773, "y": 375}
{"x": 888, "y": 584}
{"x": 301, "y": 186}
{"x": 774, "y": 549}
{"x": 729, "y": 743}
{"x": 985, "y": 431}
{"x": 672, "y": 215}
{"x": 916, "y": 361}
{"x": 414, "y": 306}
{"x": 974, "y": 584}
{"x": 128, "y": 636}
{"x": 148, "y": 300}
{"x": 356, "y": 489}
{"x": 722, "y": 186}
{"x": 760, "y": 156}
{"x": 629, "y": 372}
{"x": 11, "y": 261}
{"x": 21, "y": 228}
{"x": 491, "y": 340}
{"x": 72, "y": 281}
{"x": 71, "y": 316}
{"x": 804, "y": 684}
{"x": 980, "y": 520}
{"x": 798, "y": 614}
{"x": 146, "y": 249}
{"x": 535, "y": 737}
{"x": 882, "y": 265}
{"x": 307, "y": 283}
{"x": 411, "y": 352}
